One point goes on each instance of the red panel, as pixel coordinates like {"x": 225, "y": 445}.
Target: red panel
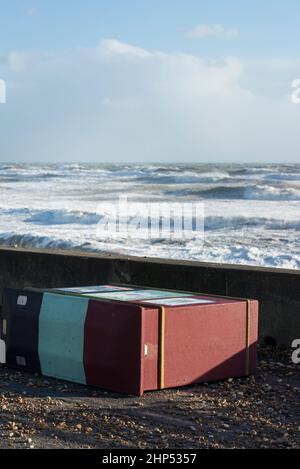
{"x": 113, "y": 346}
{"x": 207, "y": 343}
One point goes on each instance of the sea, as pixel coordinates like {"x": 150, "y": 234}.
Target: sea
{"x": 251, "y": 213}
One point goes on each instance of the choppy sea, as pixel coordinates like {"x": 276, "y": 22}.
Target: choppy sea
{"x": 251, "y": 213}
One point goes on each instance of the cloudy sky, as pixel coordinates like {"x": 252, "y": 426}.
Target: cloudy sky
{"x": 149, "y": 80}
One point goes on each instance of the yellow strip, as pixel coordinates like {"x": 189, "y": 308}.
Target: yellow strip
{"x": 248, "y": 320}
{"x": 162, "y": 329}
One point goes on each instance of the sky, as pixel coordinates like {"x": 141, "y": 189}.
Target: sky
{"x": 149, "y": 81}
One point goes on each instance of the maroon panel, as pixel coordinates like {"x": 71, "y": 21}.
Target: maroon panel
{"x": 113, "y": 346}
{"x": 208, "y": 342}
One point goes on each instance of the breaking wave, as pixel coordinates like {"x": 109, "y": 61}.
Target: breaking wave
{"x": 63, "y": 217}
{"x": 251, "y": 192}
{"x": 252, "y": 213}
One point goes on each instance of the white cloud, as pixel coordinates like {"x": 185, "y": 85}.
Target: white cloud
{"x": 215, "y": 30}
{"x": 19, "y": 61}
{"x": 31, "y": 11}
{"x": 114, "y": 48}
{"x": 120, "y": 102}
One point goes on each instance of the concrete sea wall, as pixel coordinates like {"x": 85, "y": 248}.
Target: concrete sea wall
{"x": 277, "y": 290}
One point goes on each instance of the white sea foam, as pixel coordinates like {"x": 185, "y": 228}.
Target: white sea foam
{"x": 252, "y": 214}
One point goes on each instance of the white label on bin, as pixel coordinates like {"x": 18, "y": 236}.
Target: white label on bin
{"x": 21, "y": 361}
{"x": 22, "y": 300}
{"x": 92, "y": 289}
{"x": 136, "y": 295}
{"x": 146, "y": 350}
{"x": 2, "y": 352}
{"x": 179, "y": 302}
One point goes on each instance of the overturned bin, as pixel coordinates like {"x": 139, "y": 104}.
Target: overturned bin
{"x": 129, "y": 339}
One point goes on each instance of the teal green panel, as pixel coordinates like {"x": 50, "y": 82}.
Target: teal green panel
{"x": 61, "y": 337}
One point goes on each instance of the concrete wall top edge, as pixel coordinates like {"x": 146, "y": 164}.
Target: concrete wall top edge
{"x": 120, "y": 257}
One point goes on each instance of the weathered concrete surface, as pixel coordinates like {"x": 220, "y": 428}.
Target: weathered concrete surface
{"x": 277, "y": 290}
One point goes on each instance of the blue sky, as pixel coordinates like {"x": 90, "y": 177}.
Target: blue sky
{"x": 128, "y": 80}
{"x": 268, "y": 28}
